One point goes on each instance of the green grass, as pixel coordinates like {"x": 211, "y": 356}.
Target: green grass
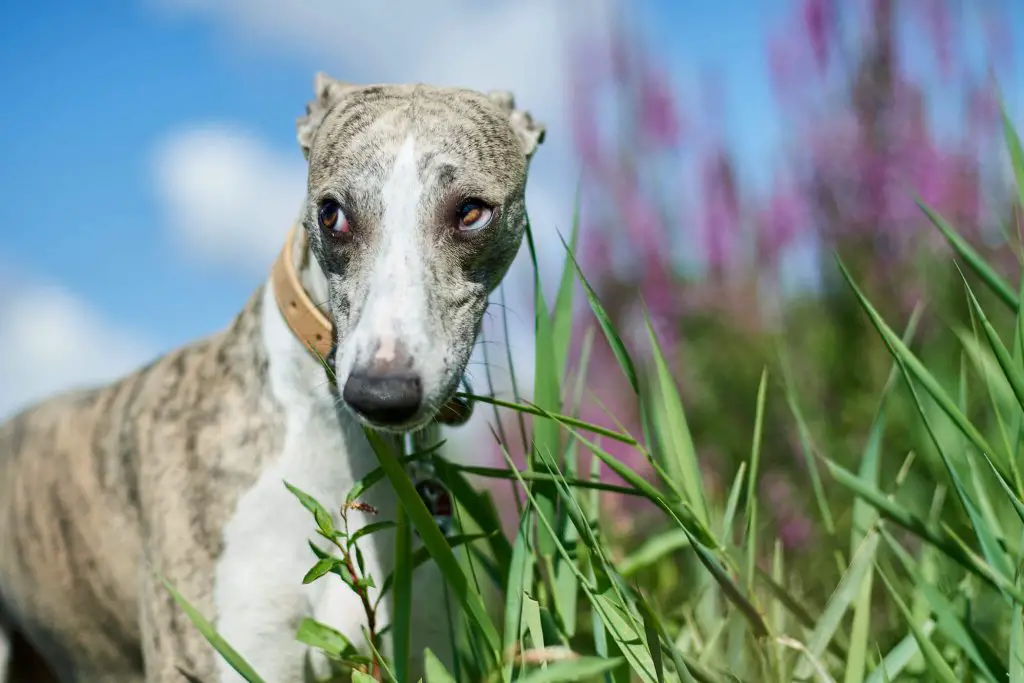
{"x": 708, "y": 595}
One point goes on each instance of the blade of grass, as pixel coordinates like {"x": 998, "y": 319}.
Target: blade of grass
{"x": 605, "y": 323}
{"x": 865, "y": 517}
{"x": 401, "y": 630}
{"x": 900, "y": 351}
{"x": 942, "y": 539}
{"x": 434, "y": 670}
{"x": 835, "y": 609}
{"x": 1016, "y": 152}
{"x": 434, "y": 540}
{"x": 673, "y": 432}
{"x": 755, "y": 462}
{"x": 546, "y": 395}
{"x": 807, "y": 450}
{"x": 520, "y": 583}
{"x": 946, "y": 615}
{"x": 1014, "y": 375}
{"x": 563, "y": 312}
{"x": 582, "y": 669}
{"x": 976, "y": 261}
{"x": 933, "y": 658}
{"x": 228, "y": 653}
{"x": 900, "y": 656}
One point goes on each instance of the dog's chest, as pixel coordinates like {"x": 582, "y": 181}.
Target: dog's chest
{"x": 259, "y": 595}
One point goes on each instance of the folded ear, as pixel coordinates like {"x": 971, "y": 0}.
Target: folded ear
{"x": 326, "y": 93}
{"x": 530, "y": 133}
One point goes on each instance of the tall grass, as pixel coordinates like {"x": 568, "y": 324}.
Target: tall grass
{"x": 915, "y": 596}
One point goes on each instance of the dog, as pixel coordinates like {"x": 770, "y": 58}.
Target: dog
{"x": 414, "y": 212}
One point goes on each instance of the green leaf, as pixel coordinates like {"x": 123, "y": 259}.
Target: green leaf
{"x": 562, "y": 315}
{"x": 360, "y": 677}
{"x": 865, "y": 517}
{"x": 421, "y": 555}
{"x": 520, "y": 583}
{"x": 933, "y": 658}
{"x": 838, "y": 604}
{"x": 401, "y": 631}
{"x": 1012, "y": 372}
{"x": 582, "y": 669}
{"x": 564, "y": 419}
{"x": 364, "y": 484}
{"x": 755, "y": 462}
{"x": 1015, "y": 150}
{"x": 900, "y": 656}
{"x": 680, "y": 513}
{"x": 1016, "y": 659}
{"x": 653, "y": 550}
{"x": 478, "y": 506}
{"x": 320, "y": 513}
{"x": 732, "y": 504}
{"x": 914, "y": 366}
{"x": 323, "y": 637}
{"x": 605, "y": 323}
{"x": 547, "y": 396}
{"x": 673, "y": 433}
{"x": 942, "y": 539}
{"x": 433, "y": 668}
{"x": 946, "y": 615}
{"x": 807, "y": 450}
{"x": 435, "y": 542}
{"x": 320, "y": 568}
{"x": 988, "y": 275}
{"x": 228, "y": 653}
{"x": 370, "y": 529}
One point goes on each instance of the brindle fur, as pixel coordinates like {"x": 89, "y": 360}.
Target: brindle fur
{"x": 94, "y": 481}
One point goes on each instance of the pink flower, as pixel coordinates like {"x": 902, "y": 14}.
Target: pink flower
{"x": 937, "y": 22}
{"x": 816, "y": 16}
{"x": 720, "y": 211}
{"x": 659, "y": 118}
{"x": 782, "y": 220}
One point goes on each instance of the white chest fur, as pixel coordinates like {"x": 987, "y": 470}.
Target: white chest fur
{"x": 259, "y": 596}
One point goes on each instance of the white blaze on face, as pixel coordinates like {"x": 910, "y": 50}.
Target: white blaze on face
{"x": 395, "y": 312}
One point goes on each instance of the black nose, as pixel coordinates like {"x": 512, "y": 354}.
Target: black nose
{"x": 384, "y": 399}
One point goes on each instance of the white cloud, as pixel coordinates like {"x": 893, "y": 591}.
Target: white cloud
{"x": 51, "y": 341}
{"x": 229, "y": 198}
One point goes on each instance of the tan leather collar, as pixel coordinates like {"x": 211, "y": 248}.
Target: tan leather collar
{"x": 306, "y": 321}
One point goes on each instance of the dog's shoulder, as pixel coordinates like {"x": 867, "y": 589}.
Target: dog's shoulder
{"x": 199, "y": 396}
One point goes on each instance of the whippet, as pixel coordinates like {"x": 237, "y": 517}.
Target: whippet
{"x": 414, "y": 212}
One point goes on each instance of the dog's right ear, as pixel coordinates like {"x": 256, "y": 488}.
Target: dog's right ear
{"x": 326, "y": 93}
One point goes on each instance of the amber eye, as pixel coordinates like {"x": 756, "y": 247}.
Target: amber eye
{"x": 332, "y": 218}
{"x": 474, "y": 215}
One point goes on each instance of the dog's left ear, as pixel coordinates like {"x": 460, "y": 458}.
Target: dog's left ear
{"x": 530, "y": 133}
{"x": 326, "y": 92}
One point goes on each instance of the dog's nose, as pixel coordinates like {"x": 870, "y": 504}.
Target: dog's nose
{"x": 384, "y": 398}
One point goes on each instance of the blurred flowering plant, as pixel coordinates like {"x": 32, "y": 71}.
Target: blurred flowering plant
{"x": 880, "y": 101}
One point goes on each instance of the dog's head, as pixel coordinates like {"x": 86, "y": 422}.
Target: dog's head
{"x": 415, "y": 210}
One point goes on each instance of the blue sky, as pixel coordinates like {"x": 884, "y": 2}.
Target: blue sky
{"x": 103, "y": 101}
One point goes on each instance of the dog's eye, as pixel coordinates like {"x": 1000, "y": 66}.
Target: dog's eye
{"x": 332, "y": 218}
{"x": 474, "y": 215}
